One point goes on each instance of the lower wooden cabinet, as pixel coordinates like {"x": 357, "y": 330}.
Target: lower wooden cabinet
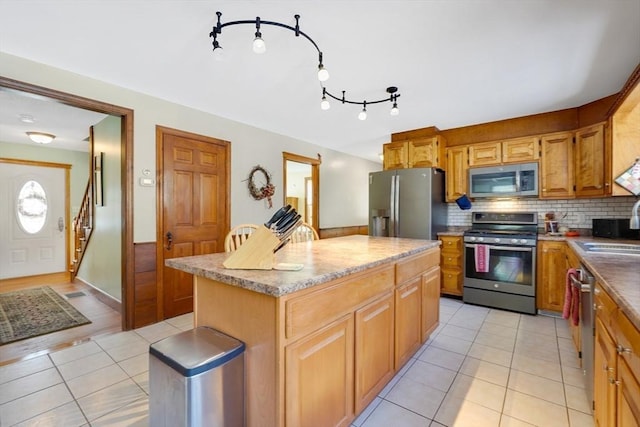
{"x": 616, "y": 366}
{"x": 451, "y": 258}
{"x": 308, "y": 377}
{"x": 628, "y": 404}
{"x": 604, "y": 377}
{"x": 552, "y": 273}
{"x": 374, "y": 349}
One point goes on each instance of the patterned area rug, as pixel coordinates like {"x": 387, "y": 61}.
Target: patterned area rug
{"x": 32, "y": 312}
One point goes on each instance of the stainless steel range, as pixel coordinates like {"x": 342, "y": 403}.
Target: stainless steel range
{"x": 500, "y": 260}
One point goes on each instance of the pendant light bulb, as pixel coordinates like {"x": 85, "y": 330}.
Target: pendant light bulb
{"x": 259, "y": 45}
{"x": 324, "y": 104}
{"x": 218, "y": 53}
{"x": 395, "y": 110}
{"x": 363, "y": 114}
{"x": 323, "y": 74}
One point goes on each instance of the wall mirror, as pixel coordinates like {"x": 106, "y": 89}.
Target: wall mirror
{"x": 301, "y": 177}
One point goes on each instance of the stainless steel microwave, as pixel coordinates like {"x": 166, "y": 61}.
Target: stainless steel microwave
{"x": 519, "y": 180}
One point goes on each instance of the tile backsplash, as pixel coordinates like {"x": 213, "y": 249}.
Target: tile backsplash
{"x": 579, "y": 212}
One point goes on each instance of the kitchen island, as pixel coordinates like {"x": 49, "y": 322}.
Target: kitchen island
{"x": 323, "y": 341}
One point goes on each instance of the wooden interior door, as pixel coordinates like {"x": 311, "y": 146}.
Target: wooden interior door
{"x": 194, "y": 209}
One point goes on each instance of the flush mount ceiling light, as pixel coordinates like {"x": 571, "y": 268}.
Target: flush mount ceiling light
{"x": 259, "y": 46}
{"x": 41, "y": 137}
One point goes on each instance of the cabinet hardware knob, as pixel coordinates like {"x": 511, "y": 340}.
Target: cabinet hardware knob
{"x": 621, "y": 349}
{"x": 596, "y": 291}
{"x": 613, "y": 381}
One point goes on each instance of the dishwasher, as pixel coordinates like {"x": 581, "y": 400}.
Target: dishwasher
{"x": 585, "y": 282}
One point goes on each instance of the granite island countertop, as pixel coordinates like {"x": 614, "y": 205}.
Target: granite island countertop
{"x": 323, "y": 260}
{"x": 618, "y": 274}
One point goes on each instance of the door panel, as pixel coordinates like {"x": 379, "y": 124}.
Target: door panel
{"x": 41, "y": 249}
{"x": 195, "y": 212}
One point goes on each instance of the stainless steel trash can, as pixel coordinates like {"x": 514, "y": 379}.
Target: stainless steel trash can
{"x": 196, "y": 378}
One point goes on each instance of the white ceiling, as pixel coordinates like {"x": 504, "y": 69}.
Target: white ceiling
{"x": 455, "y": 62}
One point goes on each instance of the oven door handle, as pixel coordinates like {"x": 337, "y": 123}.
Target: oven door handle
{"x": 506, "y": 248}
{"x": 584, "y": 287}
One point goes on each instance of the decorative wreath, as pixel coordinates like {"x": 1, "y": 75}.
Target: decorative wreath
{"x": 266, "y": 191}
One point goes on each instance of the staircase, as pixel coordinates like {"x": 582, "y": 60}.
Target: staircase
{"x": 82, "y": 227}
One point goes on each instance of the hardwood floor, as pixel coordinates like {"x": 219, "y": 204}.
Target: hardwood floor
{"x": 104, "y": 319}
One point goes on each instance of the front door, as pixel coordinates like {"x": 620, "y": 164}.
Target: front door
{"x": 195, "y": 208}
{"x": 33, "y": 218}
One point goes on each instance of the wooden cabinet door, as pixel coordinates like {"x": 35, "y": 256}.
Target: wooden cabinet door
{"x": 396, "y": 155}
{"x": 556, "y": 166}
{"x": 590, "y": 161}
{"x": 628, "y": 407}
{"x": 374, "y": 349}
{"x": 520, "y": 150}
{"x": 456, "y": 173}
{"x": 552, "y": 270}
{"x": 489, "y": 153}
{"x": 430, "y": 302}
{"x": 604, "y": 377}
{"x": 407, "y": 329}
{"x": 423, "y": 153}
{"x": 319, "y": 377}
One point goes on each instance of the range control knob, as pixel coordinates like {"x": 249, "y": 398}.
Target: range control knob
{"x": 472, "y": 238}
{"x": 497, "y": 240}
{"x": 523, "y": 241}
{"x": 480, "y": 239}
{"x": 514, "y": 240}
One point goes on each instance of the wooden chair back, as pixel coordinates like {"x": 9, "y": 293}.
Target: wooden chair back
{"x": 238, "y": 235}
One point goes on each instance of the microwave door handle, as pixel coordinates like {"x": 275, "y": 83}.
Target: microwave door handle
{"x": 518, "y": 181}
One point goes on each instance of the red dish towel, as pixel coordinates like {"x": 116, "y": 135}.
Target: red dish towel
{"x": 571, "y": 306}
{"x": 481, "y": 255}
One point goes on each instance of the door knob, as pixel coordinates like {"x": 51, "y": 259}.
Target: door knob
{"x": 169, "y": 240}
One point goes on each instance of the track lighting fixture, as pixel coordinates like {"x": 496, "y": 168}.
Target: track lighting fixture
{"x": 363, "y": 113}
{"x": 259, "y": 46}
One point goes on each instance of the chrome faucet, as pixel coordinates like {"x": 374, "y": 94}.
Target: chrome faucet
{"x": 634, "y": 223}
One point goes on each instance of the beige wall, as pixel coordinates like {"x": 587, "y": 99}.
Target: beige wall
{"x": 340, "y": 204}
{"x": 102, "y": 266}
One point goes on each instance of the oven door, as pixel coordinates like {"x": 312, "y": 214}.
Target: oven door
{"x": 510, "y": 269}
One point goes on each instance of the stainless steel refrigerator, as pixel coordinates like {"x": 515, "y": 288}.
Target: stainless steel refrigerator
{"x": 407, "y": 203}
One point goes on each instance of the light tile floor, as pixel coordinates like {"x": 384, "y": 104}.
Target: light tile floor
{"x": 481, "y": 367}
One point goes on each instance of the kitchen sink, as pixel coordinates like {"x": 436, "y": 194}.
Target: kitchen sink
{"x": 611, "y": 248}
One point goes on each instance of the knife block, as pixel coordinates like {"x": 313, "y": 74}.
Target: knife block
{"x": 256, "y": 253}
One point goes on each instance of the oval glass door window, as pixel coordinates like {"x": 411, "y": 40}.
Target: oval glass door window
{"x": 32, "y": 207}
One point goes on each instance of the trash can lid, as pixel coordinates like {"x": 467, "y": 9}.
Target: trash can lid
{"x": 197, "y": 350}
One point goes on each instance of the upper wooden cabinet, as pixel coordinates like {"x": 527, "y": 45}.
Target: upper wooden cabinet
{"x": 499, "y": 152}
{"x": 456, "y": 172}
{"x": 625, "y": 134}
{"x": 485, "y": 154}
{"x": 521, "y": 150}
{"x": 415, "y": 153}
{"x": 556, "y": 166}
{"x": 590, "y": 160}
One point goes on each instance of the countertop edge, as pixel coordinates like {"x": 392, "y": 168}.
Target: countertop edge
{"x": 591, "y": 262}
{"x": 254, "y": 285}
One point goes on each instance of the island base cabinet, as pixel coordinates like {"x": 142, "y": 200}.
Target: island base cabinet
{"x": 319, "y": 377}
{"x": 408, "y": 329}
{"x": 430, "y": 302}
{"x": 374, "y": 349}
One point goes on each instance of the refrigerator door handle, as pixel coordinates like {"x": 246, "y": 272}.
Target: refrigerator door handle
{"x": 392, "y": 207}
{"x": 396, "y": 203}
